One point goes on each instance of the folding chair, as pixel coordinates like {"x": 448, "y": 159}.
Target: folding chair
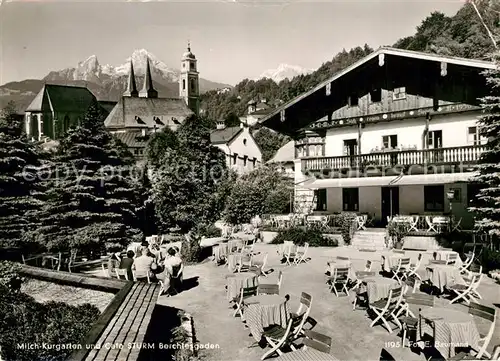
{"x": 277, "y": 338}
{"x": 466, "y": 292}
{"x": 245, "y": 262}
{"x": 467, "y": 263}
{"x": 301, "y": 317}
{"x": 386, "y": 309}
{"x": 431, "y": 225}
{"x": 413, "y": 283}
{"x": 401, "y": 269}
{"x": 456, "y": 226}
{"x": 258, "y": 266}
{"x": 290, "y": 255}
{"x": 317, "y": 341}
{"x": 451, "y": 258}
{"x": 487, "y": 313}
{"x": 264, "y": 289}
{"x": 245, "y": 293}
{"x": 409, "y": 321}
{"x": 361, "y": 220}
{"x": 367, "y": 272}
{"x": 300, "y": 256}
{"x": 147, "y": 276}
{"x": 412, "y": 270}
{"x": 414, "y": 224}
{"x": 340, "y": 277}
{"x": 360, "y": 294}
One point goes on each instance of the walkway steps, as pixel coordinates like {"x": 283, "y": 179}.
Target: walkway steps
{"x": 370, "y": 239}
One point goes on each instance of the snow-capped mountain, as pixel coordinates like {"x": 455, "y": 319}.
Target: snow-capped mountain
{"x": 107, "y": 82}
{"x": 284, "y": 71}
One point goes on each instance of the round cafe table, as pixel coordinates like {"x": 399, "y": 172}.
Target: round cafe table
{"x": 332, "y": 265}
{"x": 451, "y": 328}
{"x": 441, "y": 275}
{"x": 442, "y": 255}
{"x": 391, "y": 260}
{"x": 236, "y": 282}
{"x": 263, "y": 311}
{"x": 378, "y": 287}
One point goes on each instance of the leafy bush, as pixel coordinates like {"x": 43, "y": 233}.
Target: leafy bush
{"x": 9, "y": 276}
{"x": 210, "y": 231}
{"x": 28, "y": 322}
{"x": 300, "y": 235}
{"x": 398, "y": 231}
{"x": 347, "y": 223}
{"x": 490, "y": 260}
{"x": 191, "y": 249}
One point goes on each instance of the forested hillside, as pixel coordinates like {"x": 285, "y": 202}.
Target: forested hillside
{"x": 461, "y": 35}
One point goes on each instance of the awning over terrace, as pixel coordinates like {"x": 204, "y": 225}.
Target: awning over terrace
{"x": 421, "y": 179}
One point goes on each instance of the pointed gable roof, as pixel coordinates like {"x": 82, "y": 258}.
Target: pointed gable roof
{"x": 131, "y": 90}
{"x": 313, "y": 105}
{"x": 224, "y": 136}
{"x": 147, "y": 90}
{"x": 62, "y": 98}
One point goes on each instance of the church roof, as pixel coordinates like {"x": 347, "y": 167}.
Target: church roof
{"x": 128, "y": 108}
{"x": 107, "y": 105}
{"x": 62, "y": 98}
{"x": 224, "y": 136}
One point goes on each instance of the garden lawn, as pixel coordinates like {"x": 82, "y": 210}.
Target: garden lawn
{"x": 353, "y": 339}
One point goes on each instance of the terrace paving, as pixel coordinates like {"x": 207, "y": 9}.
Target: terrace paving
{"x": 353, "y": 339}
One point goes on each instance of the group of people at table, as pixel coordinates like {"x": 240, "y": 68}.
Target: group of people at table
{"x": 146, "y": 261}
{"x": 389, "y": 299}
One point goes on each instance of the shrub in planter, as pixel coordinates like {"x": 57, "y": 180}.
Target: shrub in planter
{"x": 300, "y": 235}
{"x": 397, "y": 231}
{"x": 347, "y": 226}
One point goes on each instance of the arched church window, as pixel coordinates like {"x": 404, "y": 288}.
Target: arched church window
{"x": 183, "y": 84}
{"x": 193, "y": 85}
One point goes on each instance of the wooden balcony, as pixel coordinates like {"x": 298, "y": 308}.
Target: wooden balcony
{"x": 440, "y": 156}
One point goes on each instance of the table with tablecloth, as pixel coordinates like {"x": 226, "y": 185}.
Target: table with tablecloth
{"x": 309, "y": 354}
{"x": 442, "y": 276}
{"x": 234, "y": 245}
{"x": 378, "y": 287}
{"x": 451, "y": 328}
{"x": 263, "y": 311}
{"x": 243, "y": 236}
{"x": 441, "y": 255}
{"x": 235, "y": 282}
{"x": 220, "y": 252}
{"x": 391, "y": 260}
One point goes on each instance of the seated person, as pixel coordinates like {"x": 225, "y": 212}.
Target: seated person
{"x": 126, "y": 263}
{"x": 173, "y": 269}
{"x": 142, "y": 264}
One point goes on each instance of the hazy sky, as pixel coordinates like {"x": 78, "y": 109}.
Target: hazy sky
{"x": 231, "y": 40}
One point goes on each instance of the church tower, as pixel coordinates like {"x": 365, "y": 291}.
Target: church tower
{"x": 147, "y": 90}
{"x": 131, "y": 90}
{"x": 189, "y": 89}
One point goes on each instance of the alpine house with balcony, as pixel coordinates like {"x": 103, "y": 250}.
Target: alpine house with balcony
{"x": 394, "y": 134}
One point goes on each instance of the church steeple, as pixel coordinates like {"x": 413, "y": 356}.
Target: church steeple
{"x": 147, "y": 90}
{"x": 189, "y": 80}
{"x": 131, "y": 86}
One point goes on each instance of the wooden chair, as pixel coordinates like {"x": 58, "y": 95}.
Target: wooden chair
{"x": 290, "y": 255}
{"x": 413, "y": 283}
{"x": 487, "y": 313}
{"x": 412, "y": 270}
{"x": 301, "y": 317}
{"x": 409, "y": 321}
{"x": 399, "y": 272}
{"x": 263, "y": 289}
{"x": 277, "y": 338}
{"x": 245, "y": 262}
{"x": 386, "y": 309}
{"x": 340, "y": 277}
{"x": 300, "y": 256}
{"x": 317, "y": 341}
{"x": 361, "y": 296}
{"x": 367, "y": 272}
{"x": 451, "y": 258}
{"x": 467, "y": 291}
{"x": 467, "y": 263}
{"x": 245, "y": 293}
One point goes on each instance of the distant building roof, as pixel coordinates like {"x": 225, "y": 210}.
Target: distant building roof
{"x": 262, "y": 105}
{"x": 132, "y": 139}
{"x": 128, "y": 108}
{"x": 285, "y": 154}
{"x": 224, "y": 136}
{"x": 62, "y": 98}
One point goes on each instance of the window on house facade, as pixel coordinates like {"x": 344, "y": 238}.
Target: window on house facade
{"x": 244, "y": 142}
{"x": 399, "y": 93}
{"x": 235, "y": 158}
{"x": 473, "y": 190}
{"x": 350, "y": 199}
{"x": 245, "y": 160}
{"x": 353, "y": 100}
{"x": 136, "y": 151}
{"x": 434, "y": 198}
{"x": 320, "y": 196}
{"x": 389, "y": 141}
{"x": 473, "y": 136}
{"x": 435, "y": 139}
{"x": 254, "y": 161}
{"x": 376, "y": 95}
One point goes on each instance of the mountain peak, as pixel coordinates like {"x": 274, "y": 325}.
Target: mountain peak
{"x": 284, "y": 71}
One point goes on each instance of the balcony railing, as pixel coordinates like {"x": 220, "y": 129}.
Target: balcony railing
{"x": 456, "y": 155}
